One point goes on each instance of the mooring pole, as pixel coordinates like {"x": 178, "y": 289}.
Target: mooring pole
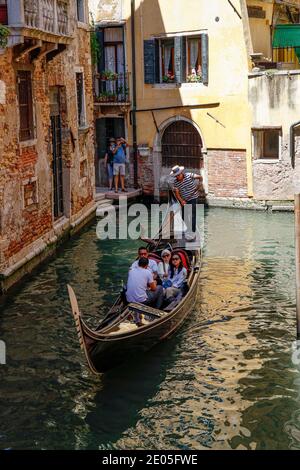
{"x": 297, "y": 245}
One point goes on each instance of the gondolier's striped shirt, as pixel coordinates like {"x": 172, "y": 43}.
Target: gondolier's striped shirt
{"x": 188, "y": 187}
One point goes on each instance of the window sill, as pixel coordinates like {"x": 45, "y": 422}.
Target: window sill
{"x": 83, "y": 25}
{"x": 267, "y": 160}
{"x": 84, "y": 129}
{"x": 28, "y": 143}
{"x": 192, "y": 85}
{"x": 166, "y": 85}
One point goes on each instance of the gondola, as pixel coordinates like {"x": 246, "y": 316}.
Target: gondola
{"x": 118, "y": 337}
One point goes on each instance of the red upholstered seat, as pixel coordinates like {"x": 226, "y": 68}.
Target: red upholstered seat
{"x": 184, "y": 258}
{"x": 155, "y": 257}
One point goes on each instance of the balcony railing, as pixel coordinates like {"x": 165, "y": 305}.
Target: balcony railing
{"x": 47, "y": 16}
{"x": 111, "y": 88}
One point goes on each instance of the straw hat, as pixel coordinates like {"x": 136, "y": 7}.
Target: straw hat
{"x": 177, "y": 170}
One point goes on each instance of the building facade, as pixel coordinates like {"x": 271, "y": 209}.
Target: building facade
{"x": 216, "y": 90}
{"x": 47, "y": 174}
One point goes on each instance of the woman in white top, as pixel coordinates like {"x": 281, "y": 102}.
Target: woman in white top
{"x": 164, "y": 266}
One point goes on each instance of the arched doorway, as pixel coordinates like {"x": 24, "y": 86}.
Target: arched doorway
{"x": 182, "y": 145}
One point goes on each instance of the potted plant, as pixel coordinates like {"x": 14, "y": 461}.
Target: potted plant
{"x": 108, "y": 75}
{"x": 106, "y": 97}
{"x": 194, "y": 78}
{"x": 169, "y": 78}
{"x": 4, "y": 33}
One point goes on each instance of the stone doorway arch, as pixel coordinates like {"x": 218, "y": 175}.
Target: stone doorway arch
{"x": 165, "y": 150}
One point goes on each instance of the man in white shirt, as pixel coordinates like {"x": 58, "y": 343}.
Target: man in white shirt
{"x": 144, "y": 253}
{"x": 141, "y": 286}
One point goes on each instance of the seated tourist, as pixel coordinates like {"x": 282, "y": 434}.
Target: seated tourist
{"x": 141, "y": 286}
{"x": 177, "y": 276}
{"x": 144, "y": 253}
{"x": 164, "y": 266}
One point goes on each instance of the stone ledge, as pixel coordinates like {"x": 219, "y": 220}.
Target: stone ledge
{"x": 251, "y": 204}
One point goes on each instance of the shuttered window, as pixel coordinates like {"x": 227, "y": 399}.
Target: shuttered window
{"x": 180, "y": 59}
{"x": 25, "y": 105}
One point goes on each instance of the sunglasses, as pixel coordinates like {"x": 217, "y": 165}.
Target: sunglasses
{"x": 165, "y": 256}
{"x": 144, "y": 255}
{"x": 175, "y": 259}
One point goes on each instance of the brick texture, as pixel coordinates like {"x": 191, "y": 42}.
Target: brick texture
{"x": 227, "y": 173}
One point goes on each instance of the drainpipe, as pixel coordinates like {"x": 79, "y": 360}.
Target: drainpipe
{"x": 292, "y": 142}
{"x": 134, "y": 127}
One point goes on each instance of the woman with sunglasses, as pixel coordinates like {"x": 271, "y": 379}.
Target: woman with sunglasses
{"x": 177, "y": 276}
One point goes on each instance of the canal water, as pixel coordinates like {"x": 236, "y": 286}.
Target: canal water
{"x": 225, "y": 381}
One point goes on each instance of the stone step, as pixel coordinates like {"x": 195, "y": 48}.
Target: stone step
{"x": 282, "y": 208}
{"x": 104, "y": 202}
{"x": 280, "y": 203}
{"x": 99, "y": 197}
{"x": 103, "y": 210}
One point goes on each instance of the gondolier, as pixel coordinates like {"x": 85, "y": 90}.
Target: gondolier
{"x": 186, "y": 190}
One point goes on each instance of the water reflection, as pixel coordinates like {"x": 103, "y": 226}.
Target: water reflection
{"x": 225, "y": 381}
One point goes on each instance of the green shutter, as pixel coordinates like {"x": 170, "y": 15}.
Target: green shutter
{"x": 180, "y": 58}
{"x": 151, "y": 63}
{"x": 205, "y": 62}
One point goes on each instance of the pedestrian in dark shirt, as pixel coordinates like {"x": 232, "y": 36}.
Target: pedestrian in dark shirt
{"x": 187, "y": 192}
{"x": 109, "y": 162}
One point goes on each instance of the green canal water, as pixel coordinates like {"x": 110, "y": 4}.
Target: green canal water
{"x": 226, "y": 380}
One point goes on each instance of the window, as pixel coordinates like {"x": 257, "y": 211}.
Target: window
{"x": 114, "y": 50}
{"x": 167, "y": 60}
{"x": 267, "y": 143}
{"x": 194, "y": 62}
{"x": 81, "y": 10}
{"x": 25, "y": 105}
{"x": 80, "y": 99}
{"x": 179, "y": 59}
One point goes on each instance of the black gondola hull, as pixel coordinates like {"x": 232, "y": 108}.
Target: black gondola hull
{"x": 108, "y": 353}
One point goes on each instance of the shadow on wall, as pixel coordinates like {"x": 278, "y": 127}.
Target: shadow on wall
{"x": 162, "y": 64}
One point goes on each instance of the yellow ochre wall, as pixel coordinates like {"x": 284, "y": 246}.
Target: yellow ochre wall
{"x": 228, "y": 72}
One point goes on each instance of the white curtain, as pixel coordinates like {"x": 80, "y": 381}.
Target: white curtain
{"x": 110, "y": 64}
{"x": 194, "y": 51}
{"x": 167, "y": 58}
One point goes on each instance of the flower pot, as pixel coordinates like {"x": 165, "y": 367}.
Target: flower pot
{"x": 3, "y": 14}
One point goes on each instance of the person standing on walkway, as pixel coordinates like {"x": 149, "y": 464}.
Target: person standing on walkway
{"x": 119, "y": 163}
{"x": 186, "y": 190}
{"x": 109, "y": 162}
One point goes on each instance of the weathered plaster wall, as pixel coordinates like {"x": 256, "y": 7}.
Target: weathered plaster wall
{"x": 227, "y": 88}
{"x": 275, "y": 100}
{"x": 106, "y": 10}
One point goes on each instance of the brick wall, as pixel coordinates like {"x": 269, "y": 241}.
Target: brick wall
{"x": 145, "y": 174}
{"x": 26, "y": 178}
{"x": 227, "y": 173}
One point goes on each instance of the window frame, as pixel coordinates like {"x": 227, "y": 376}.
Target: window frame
{"x": 30, "y": 105}
{"x": 161, "y": 60}
{"x": 187, "y": 39}
{"x": 259, "y": 144}
{"x": 81, "y": 11}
